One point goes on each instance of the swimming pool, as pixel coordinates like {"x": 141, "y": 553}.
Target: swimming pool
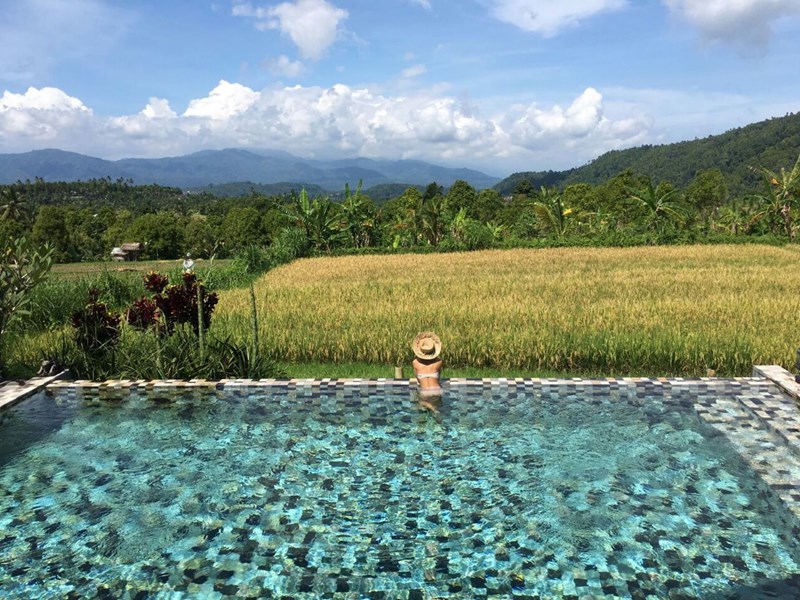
{"x": 528, "y": 489}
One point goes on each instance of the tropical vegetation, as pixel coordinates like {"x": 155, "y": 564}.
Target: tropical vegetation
{"x": 81, "y": 221}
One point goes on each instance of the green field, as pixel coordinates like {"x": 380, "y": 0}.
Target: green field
{"x": 78, "y": 270}
{"x": 654, "y": 311}
{"x": 646, "y": 311}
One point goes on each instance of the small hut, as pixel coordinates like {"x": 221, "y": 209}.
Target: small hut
{"x": 117, "y": 254}
{"x": 128, "y": 251}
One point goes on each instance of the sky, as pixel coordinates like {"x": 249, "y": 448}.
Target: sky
{"x": 496, "y": 85}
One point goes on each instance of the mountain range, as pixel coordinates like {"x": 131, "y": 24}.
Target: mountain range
{"x": 774, "y": 144}
{"x": 213, "y": 167}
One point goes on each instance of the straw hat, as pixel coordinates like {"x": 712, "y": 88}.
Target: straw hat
{"x": 426, "y": 345}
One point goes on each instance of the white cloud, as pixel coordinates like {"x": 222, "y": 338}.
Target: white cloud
{"x": 225, "y": 101}
{"x": 549, "y": 17}
{"x": 40, "y": 34}
{"x": 40, "y": 114}
{"x": 414, "y": 71}
{"x": 741, "y": 22}
{"x": 538, "y": 129}
{"x": 312, "y": 25}
{"x": 283, "y": 65}
{"x": 339, "y": 121}
{"x": 158, "y": 108}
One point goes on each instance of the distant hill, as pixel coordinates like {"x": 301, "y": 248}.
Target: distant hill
{"x": 774, "y": 143}
{"x": 245, "y": 188}
{"x": 215, "y": 167}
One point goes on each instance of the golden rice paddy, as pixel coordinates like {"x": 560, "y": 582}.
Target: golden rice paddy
{"x": 677, "y": 310}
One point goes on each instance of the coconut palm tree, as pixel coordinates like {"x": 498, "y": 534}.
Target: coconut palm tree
{"x": 15, "y": 207}
{"x": 659, "y": 204}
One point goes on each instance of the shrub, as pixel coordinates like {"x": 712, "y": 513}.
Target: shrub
{"x": 96, "y": 327}
{"x": 143, "y": 313}
{"x": 22, "y": 268}
{"x": 178, "y": 303}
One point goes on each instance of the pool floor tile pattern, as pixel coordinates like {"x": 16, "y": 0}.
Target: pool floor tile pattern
{"x": 719, "y": 403}
{"x": 771, "y": 404}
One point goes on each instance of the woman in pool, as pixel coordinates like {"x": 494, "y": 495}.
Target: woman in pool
{"x": 427, "y": 364}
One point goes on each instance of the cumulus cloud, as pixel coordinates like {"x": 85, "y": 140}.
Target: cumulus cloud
{"x": 741, "y": 22}
{"x": 224, "y": 101}
{"x": 583, "y": 121}
{"x": 312, "y": 25}
{"x": 158, "y": 108}
{"x": 549, "y": 17}
{"x": 40, "y": 114}
{"x": 285, "y": 66}
{"x": 323, "y": 122}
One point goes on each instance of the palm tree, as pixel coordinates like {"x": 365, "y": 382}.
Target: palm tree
{"x": 15, "y": 207}
{"x": 658, "y": 203}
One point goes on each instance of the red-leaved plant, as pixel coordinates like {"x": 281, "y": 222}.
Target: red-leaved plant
{"x": 176, "y": 303}
{"x": 96, "y": 327}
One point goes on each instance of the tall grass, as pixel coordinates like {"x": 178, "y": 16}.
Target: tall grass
{"x": 656, "y": 311}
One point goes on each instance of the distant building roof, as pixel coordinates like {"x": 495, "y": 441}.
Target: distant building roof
{"x": 131, "y": 247}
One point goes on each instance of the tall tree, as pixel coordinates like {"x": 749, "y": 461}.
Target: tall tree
{"x": 50, "y": 228}
{"x": 462, "y": 195}
{"x": 159, "y": 233}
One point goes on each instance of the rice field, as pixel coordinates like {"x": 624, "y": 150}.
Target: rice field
{"x": 653, "y": 311}
{"x": 80, "y": 270}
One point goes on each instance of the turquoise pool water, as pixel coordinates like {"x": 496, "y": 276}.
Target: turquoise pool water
{"x": 365, "y": 494}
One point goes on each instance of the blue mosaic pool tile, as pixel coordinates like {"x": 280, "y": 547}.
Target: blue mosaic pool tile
{"x": 384, "y": 508}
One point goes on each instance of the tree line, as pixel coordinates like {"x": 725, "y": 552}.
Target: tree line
{"x": 83, "y": 221}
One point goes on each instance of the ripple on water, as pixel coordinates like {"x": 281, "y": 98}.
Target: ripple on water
{"x": 314, "y": 493}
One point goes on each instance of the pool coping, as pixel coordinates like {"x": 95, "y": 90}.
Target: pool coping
{"x": 13, "y": 391}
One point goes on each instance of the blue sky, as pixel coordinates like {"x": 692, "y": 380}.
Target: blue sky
{"x": 498, "y": 85}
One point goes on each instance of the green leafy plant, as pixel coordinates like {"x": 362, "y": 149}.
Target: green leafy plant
{"x": 96, "y": 328}
{"x": 22, "y": 268}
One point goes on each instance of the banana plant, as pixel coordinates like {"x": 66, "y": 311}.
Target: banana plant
{"x": 550, "y": 212}
{"x": 779, "y": 199}
{"x": 434, "y": 219}
{"x": 318, "y": 218}
{"x": 358, "y": 217}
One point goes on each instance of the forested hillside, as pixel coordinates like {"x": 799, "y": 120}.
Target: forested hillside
{"x": 773, "y": 144}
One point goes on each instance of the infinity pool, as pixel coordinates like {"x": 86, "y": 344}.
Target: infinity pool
{"x": 300, "y": 492}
